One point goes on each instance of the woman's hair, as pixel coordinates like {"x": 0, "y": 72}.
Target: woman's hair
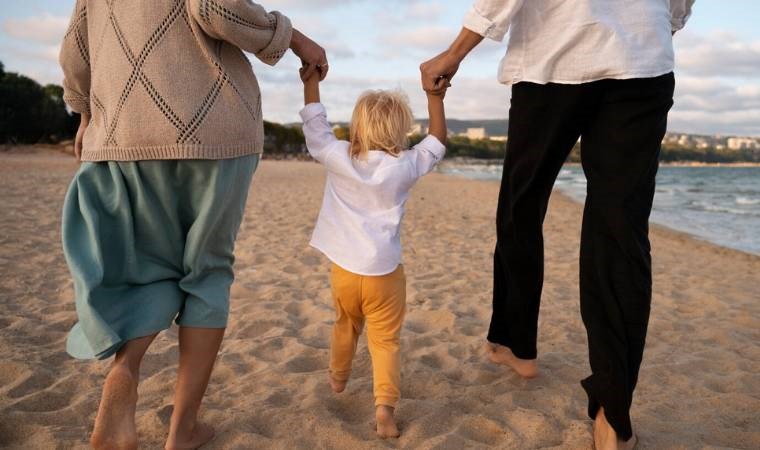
{"x": 381, "y": 121}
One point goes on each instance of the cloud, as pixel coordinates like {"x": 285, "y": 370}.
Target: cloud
{"x": 380, "y": 45}
{"x": 719, "y": 54}
{"x": 45, "y": 29}
{"x": 716, "y": 105}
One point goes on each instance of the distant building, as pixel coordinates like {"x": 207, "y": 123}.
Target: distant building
{"x": 417, "y": 128}
{"x": 498, "y": 138}
{"x": 684, "y": 140}
{"x": 476, "y": 133}
{"x": 738, "y": 143}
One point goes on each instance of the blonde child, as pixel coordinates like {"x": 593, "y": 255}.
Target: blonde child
{"x": 368, "y": 183}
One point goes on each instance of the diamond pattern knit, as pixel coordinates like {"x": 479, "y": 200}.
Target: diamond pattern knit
{"x": 167, "y": 79}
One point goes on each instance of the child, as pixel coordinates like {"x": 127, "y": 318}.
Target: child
{"x": 368, "y": 183}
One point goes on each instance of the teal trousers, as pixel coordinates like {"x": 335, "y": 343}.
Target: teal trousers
{"x": 151, "y": 242}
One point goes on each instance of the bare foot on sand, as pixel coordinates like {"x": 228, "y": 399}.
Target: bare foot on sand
{"x": 337, "y": 386}
{"x": 386, "y": 424}
{"x": 605, "y": 437}
{"x": 202, "y": 434}
{"x": 115, "y": 424}
{"x": 499, "y": 354}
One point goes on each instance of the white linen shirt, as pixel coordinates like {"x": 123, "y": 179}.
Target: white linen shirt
{"x": 359, "y": 224}
{"x": 578, "y": 41}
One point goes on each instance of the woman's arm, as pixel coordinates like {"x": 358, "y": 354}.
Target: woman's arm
{"x": 246, "y": 25}
{"x": 75, "y": 61}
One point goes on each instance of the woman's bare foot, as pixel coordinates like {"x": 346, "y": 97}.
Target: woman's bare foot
{"x": 386, "y": 424}
{"x": 605, "y": 437}
{"x": 199, "y": 436}
{"x": 337, "y": 386}
{"x": 115, "y": 424}
{"x": 499, "y": 354}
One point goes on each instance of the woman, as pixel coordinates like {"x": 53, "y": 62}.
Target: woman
{"x": 170, "y": 136}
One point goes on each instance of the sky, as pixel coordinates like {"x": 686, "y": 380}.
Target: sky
{"x": 380, "y": 44}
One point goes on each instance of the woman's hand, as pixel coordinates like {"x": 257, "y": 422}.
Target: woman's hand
{"x": 313, "y": 57}
{"x": 84, "y": 121}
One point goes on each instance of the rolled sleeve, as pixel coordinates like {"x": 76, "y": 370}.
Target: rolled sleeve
{"x": 492, "y": 18}
{"x": 311, "y": 111}
{"x": 317, "y": 130}
{"x": 78, "y": 103}
{"x": 280, "y": 42}
{"x": 680, "y": 11}
{"x": 246, "y": 25}
{"x": 429, "y": 152}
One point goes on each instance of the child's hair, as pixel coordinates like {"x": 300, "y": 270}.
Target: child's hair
{"x": 381, "y": 121}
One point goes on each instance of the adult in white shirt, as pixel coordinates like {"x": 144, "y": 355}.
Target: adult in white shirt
{"x": 602, "y": 71}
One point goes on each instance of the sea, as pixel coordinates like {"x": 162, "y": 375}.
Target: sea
{"x": 719, "y": 204}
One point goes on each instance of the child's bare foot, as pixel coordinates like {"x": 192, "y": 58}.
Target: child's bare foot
{"x": 199, "y": 436}
{"x": 605, "y": 437}
{"x": 499, "y": 354}
{"x": 386, "y": 424}
{"x": 337, "y": 386}
{"x": 115, "y": 424}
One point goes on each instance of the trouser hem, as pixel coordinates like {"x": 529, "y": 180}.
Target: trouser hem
{"x": 386, "y": 401}
{"x": 521, "y": 353}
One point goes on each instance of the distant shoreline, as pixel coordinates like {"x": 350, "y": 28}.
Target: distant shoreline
{"x": 66, "y": 147}
{"x": 493, "y": 162}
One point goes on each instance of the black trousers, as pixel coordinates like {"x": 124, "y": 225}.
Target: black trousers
{"x": 621, "y": 124}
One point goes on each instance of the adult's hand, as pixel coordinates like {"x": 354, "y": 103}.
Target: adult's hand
{"x": 313, "y": 57}
{"x": 84, "y": 121}
{"x": 445, "y": 66}
{"x": 447, "y": 63}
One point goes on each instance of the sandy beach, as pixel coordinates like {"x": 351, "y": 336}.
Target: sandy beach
{"x": 699, "y": 385}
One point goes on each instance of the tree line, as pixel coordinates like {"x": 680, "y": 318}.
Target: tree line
{"x": 31, "y": 113}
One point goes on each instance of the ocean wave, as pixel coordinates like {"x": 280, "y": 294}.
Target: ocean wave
{"x": 703, "y": 206}
{"x": 747, "y": 201}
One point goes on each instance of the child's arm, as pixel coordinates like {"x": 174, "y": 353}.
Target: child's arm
{"x": 311, "y": 88}
{"x": 431, "y": 150}
{"x": 316, "y": 129}
{"x": 437, "y": 114}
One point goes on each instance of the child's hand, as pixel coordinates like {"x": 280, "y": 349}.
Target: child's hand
{"x": 440, "y": 88}
{"x": 314, "y": 76}
{"x": 311, "y": 80}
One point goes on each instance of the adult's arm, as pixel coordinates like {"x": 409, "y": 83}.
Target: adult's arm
{"x": 246, "y": 25}
{"x": 75, "y": 61}
{"x": 486, "y": 19}
{"x": 680, "y": 11}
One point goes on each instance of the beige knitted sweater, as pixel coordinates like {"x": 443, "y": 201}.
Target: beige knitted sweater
{"x": 167, "y": 79}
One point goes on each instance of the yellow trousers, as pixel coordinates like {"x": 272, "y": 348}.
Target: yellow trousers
{"x": 381, "y": 302}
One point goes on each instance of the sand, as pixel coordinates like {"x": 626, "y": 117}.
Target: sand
{"x": 699, "y": 384}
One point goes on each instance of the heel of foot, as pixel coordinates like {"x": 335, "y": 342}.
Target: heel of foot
{"x": 386, "y": 423}
{"x": 499, "y": 354}
{"x": 338, "y": 386}
{"x": 115, "y": 422}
